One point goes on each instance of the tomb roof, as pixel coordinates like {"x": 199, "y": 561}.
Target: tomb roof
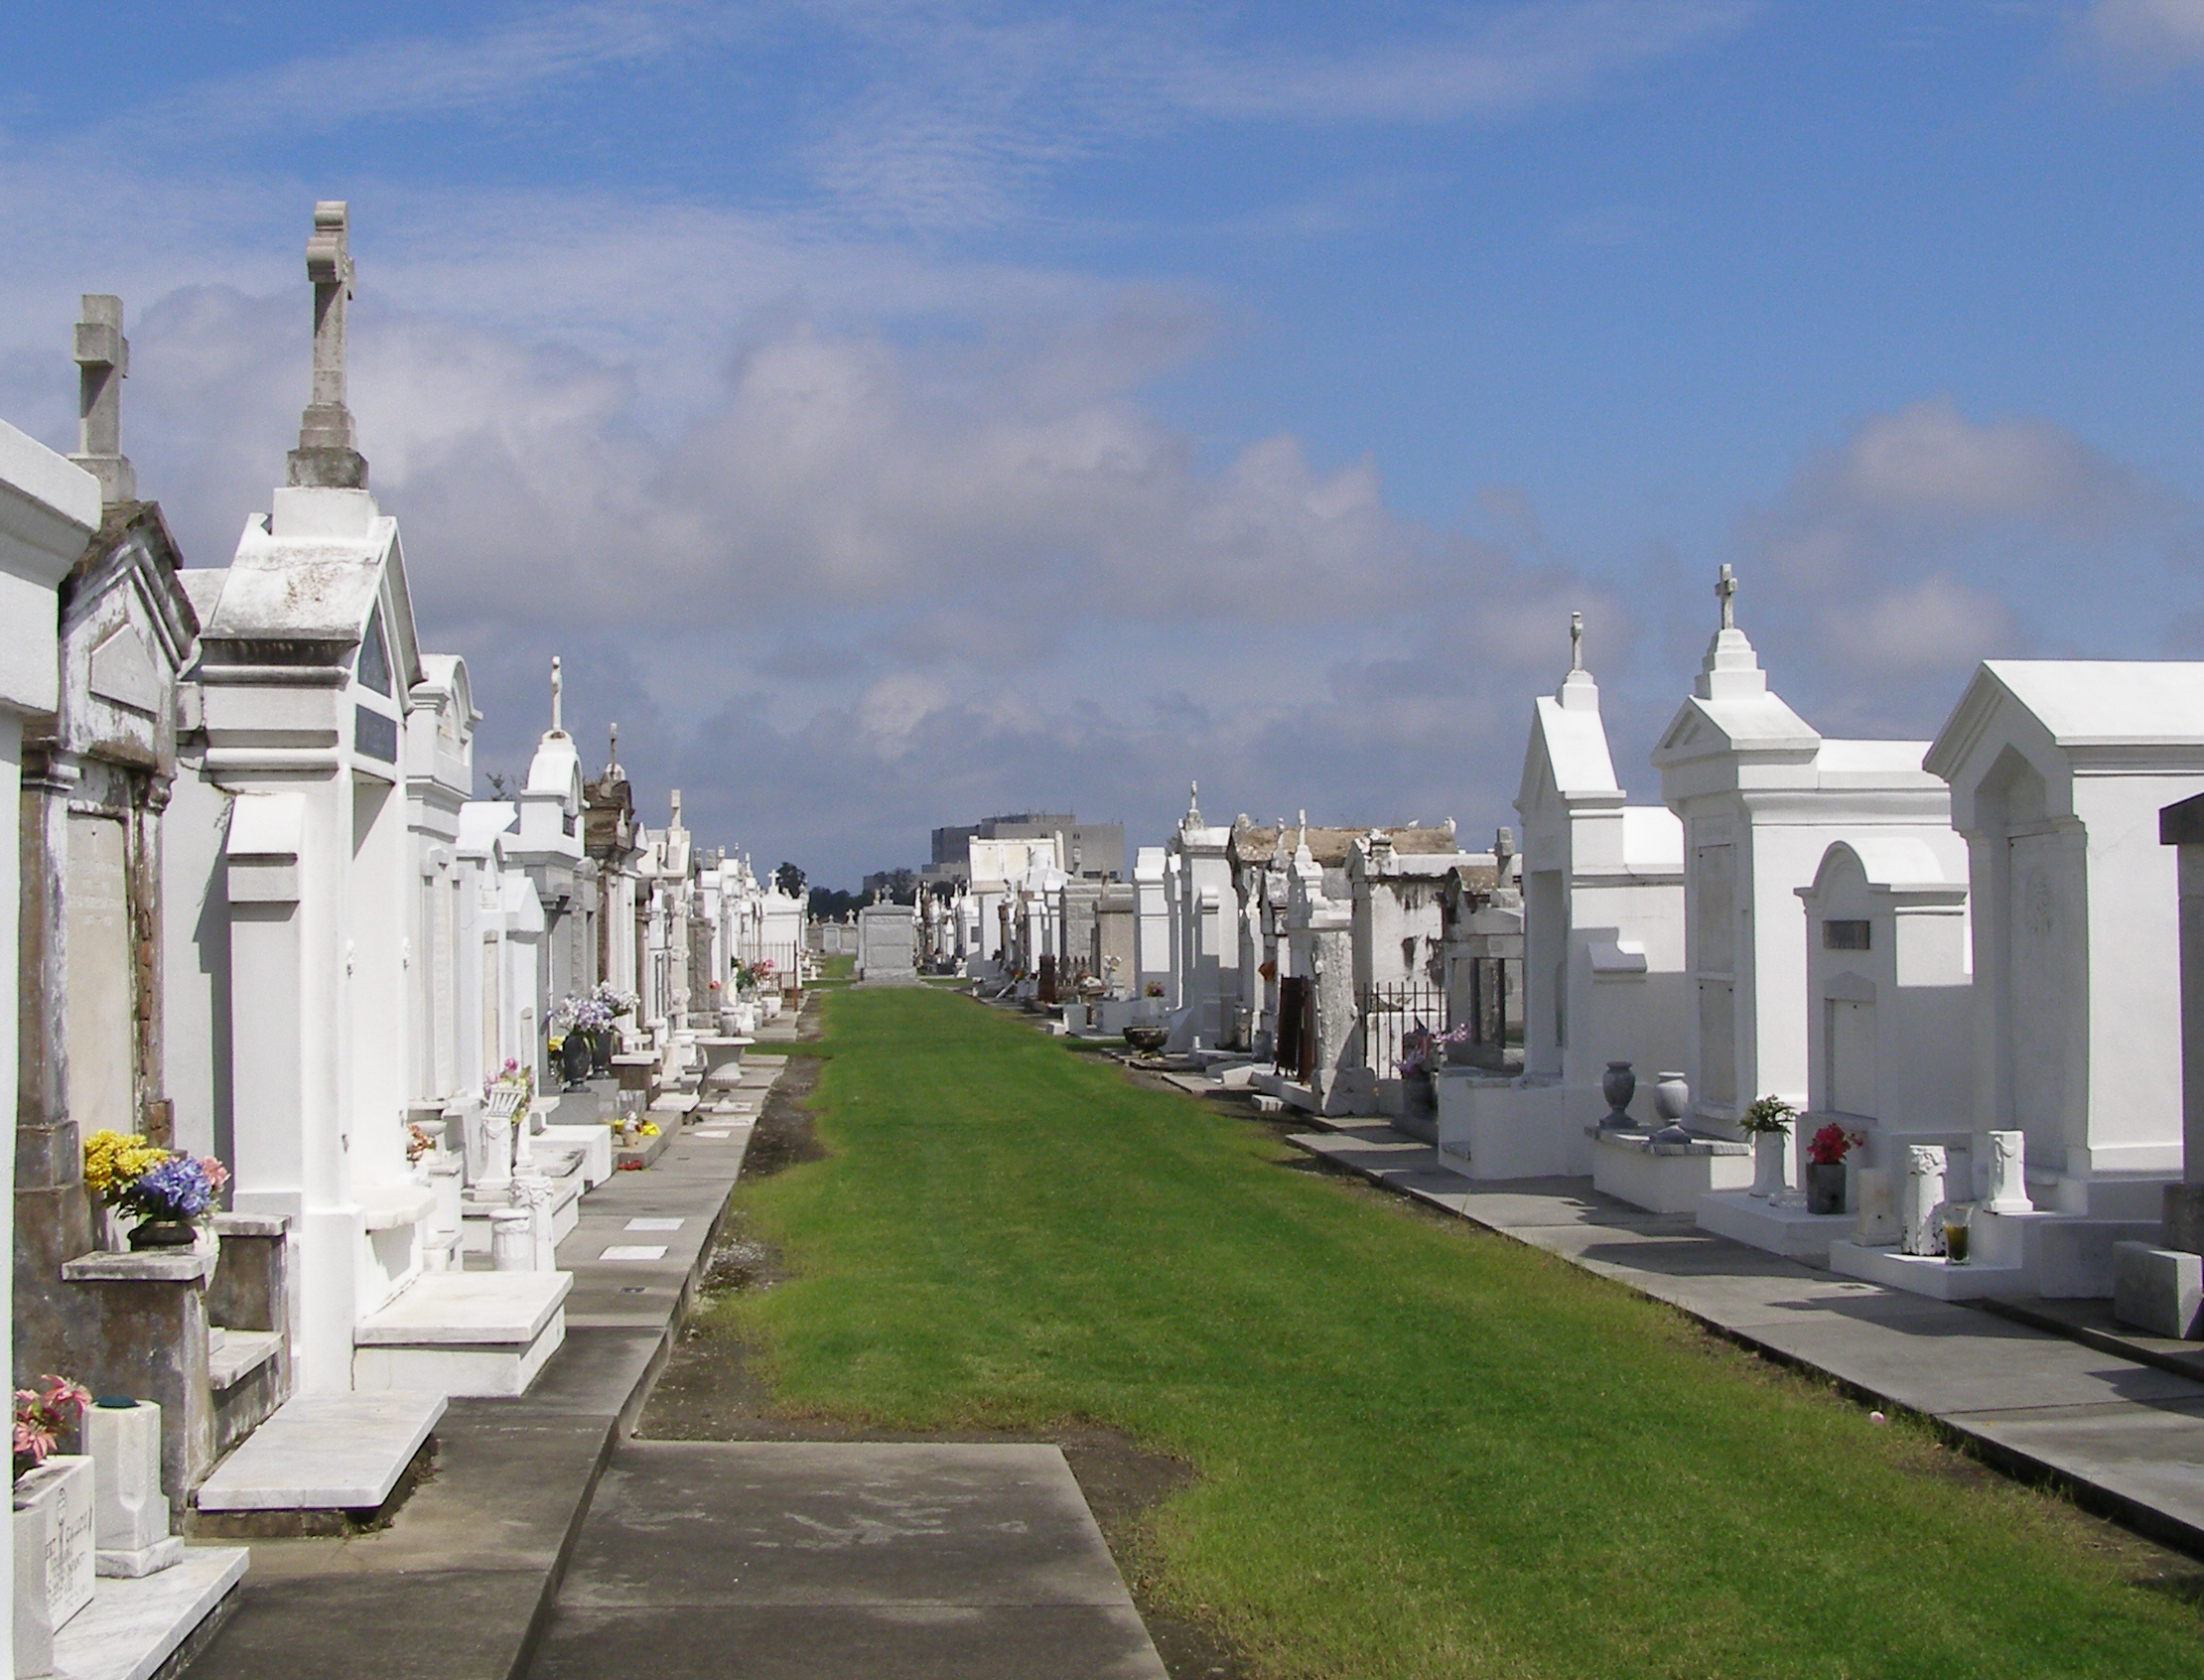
{"x": 1652, "y": 840}
{"x": 1895, "y": 861}
{"x": 1332, "y": 846}
{"x": 482, "y": 821}
{"x": 2079, "y": 703}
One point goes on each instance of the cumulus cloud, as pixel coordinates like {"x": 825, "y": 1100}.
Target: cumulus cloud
{"x": 2149, "y": 39}
{"x": 1925, "y": 541}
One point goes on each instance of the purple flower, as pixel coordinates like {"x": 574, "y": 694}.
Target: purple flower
{"x": 178, "y": 1188}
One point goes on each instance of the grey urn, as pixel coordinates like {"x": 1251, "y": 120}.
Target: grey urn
{"x": 1618, "y": 1085}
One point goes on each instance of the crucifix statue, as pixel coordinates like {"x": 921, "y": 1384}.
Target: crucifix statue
{"x": 326, "y": 456}
{"x": 1725, "y": 592}
{"x": 1576, "y": 641}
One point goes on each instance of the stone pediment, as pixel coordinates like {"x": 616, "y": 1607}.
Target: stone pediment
{"x": 123, "y": 672}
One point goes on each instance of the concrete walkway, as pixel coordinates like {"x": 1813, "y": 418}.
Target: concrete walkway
{"x": 460, "y": 1584}
{"x": 771, "y": 1560}
{"x": 2127, "y": 1437}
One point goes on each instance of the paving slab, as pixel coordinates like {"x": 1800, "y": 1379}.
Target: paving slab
{"x": 843, "y": 1559}
{"x": 133, "y": 1626}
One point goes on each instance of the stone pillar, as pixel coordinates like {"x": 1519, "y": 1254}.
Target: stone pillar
{"x": 1920, "y": 1193}
{"x": 2182, "y": 825}
{"x": 49, "y": 510}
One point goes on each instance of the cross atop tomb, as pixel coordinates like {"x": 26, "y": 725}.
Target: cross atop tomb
{"x": 558, "y": 698}
{"x": 1576, "y": 641}
{"x": 102, "y": 363}
{"x": 612, "y": 771}
{"x": 1192, "y": 818}
{"x": 326, "y": 456}
{"x": 1725, "y": 592}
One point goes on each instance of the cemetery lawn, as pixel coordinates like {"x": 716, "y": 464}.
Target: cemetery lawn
{"x": 1420, "y": 1449}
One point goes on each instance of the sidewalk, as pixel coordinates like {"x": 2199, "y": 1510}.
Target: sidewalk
{"x": 460, "y": 1583}
{"x": 2125, "y": 1437}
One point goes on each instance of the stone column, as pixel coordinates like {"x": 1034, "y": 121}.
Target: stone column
{"x": 49, "y": 510}
{"x": 2182, "y": 826}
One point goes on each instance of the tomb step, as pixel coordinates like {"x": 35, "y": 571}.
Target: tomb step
{"x": 133, "y": 1627}
{"x": 234, "y": 1355}
{"x": 324, "y": 1452}
{"x": 464, "y": 1333}
{"x": 1928, "y": 1274}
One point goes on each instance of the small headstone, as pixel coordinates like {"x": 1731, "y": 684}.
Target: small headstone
{"x": 130, "y": 1515}
{"x": 63, "y": 1488}
{"x": 1920, "y": 1195}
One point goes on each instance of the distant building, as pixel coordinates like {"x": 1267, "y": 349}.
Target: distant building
{"x": 1092, "y": 851}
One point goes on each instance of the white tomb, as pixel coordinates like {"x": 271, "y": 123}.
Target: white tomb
{"x": 2058, "y": 771}
{"x": 308, "y": 665}
{"x": 1761, "y": 796}
{"x": 1602, "y": 908}
{"x": 1205, "y": 950}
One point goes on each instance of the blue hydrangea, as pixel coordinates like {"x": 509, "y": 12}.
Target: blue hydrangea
{"x": 178, "y": 1188}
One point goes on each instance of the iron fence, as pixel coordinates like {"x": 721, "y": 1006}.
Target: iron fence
{"x": 1395, "y": 1015}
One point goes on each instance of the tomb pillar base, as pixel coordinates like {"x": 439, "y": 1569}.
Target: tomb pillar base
{"x": 145, "y": 1336}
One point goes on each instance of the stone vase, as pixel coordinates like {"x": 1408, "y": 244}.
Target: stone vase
{"x": 163, "y": 1234}
{"x": 1672, "y": 1096}
{"x": 1825, "y": 1186}
{"x": 1768, "y": 1149}
{"x": 1618, "y": 1085}
{"x": 575, "y": 1059}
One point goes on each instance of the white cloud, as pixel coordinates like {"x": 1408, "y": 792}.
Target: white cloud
{"x": 2145, "y": 38}
{"x": 1929, "y": 460}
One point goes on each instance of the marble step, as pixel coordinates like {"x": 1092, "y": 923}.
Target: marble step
{"x": 482, "y": 1335}
{"x": 234, "y": 1355}
{"x": 133, "y": 1626}
{"x": 324, "y": 1452}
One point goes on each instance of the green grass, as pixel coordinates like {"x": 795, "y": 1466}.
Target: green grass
{"x": 1423, "y": 1450}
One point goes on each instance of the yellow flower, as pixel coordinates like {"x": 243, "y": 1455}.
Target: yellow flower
{"x": 113, "y": 1161}
{"x": 647, "y": 1130}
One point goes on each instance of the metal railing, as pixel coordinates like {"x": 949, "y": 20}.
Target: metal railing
{"x": 1394, "y": 1015}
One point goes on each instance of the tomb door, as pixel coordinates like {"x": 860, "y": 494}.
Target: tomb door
{"x": 1714, "y": 930}
{"x": 99, "y": 1021}
{"x": 1849, "y": 1043}
{"x": 2045, "y": 990}
{"x": 492, "y": 959}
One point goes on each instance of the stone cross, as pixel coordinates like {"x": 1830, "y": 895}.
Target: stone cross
{"x": 102, "y": 363}
{"x": 676, "y": 822}
{"x": 1725, "y": 592}
{"x": 612, "y": 765}
{"x": 558, "y": 698}
{"x": 1576, "y": 641}
{"x": 326, "y": 456}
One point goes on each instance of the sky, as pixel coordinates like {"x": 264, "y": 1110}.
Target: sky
{"x": 898, "y": 413}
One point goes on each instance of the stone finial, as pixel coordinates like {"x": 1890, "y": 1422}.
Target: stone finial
{"x": 102, "y": 363}
{"x": 558, "y": 698}
{"x": 612, "y": 771}
{"x": 676, "y": 820}
{"x": 1576, "y": 641}
{"x": 1725, "y": 592}
{"x": 327, "y": 457}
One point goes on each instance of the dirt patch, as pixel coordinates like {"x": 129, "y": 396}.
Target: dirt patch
{"x": 784, "y": 1135}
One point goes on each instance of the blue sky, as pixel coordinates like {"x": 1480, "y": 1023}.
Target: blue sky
{"x": 895, "y": 412}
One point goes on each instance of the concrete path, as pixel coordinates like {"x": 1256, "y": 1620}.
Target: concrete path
{"x": 2127, "y": 1437}
{"x": 842, "y": 1561}
{"x": 460, "y": 1584}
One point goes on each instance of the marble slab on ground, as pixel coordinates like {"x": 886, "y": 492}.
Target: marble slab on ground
{"x": 323, "y": 1451}
{"x": 132, "y": 1626}
{"x": 805, "y": 1560}
{"x": 467, "y": 1309}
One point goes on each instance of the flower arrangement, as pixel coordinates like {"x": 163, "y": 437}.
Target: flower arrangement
{"x": 753, "y": 976}
{"x": 1771, "y": 1116}
{"x": 127, "y": 1173}
{"x": 1829, "y": 1146}
{"x": 419, "y": 1143}
{"x": 1154, "y": 989}
{"x": 1423, "y": 1051}
{"x": 42, "y": 1414}
{"x": 509, "y": 1076}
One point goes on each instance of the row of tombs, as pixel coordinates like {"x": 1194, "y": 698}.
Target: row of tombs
{"x": 274, "y": 953}
{"x": 1909, "y": 1010}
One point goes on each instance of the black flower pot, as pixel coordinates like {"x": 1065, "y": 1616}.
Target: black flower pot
{"x": 163, "y": 1234}
{"x": 575, "y": 1059}
{"x": 601, "y": 1054}
{"x": 1824, "y": 1187}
